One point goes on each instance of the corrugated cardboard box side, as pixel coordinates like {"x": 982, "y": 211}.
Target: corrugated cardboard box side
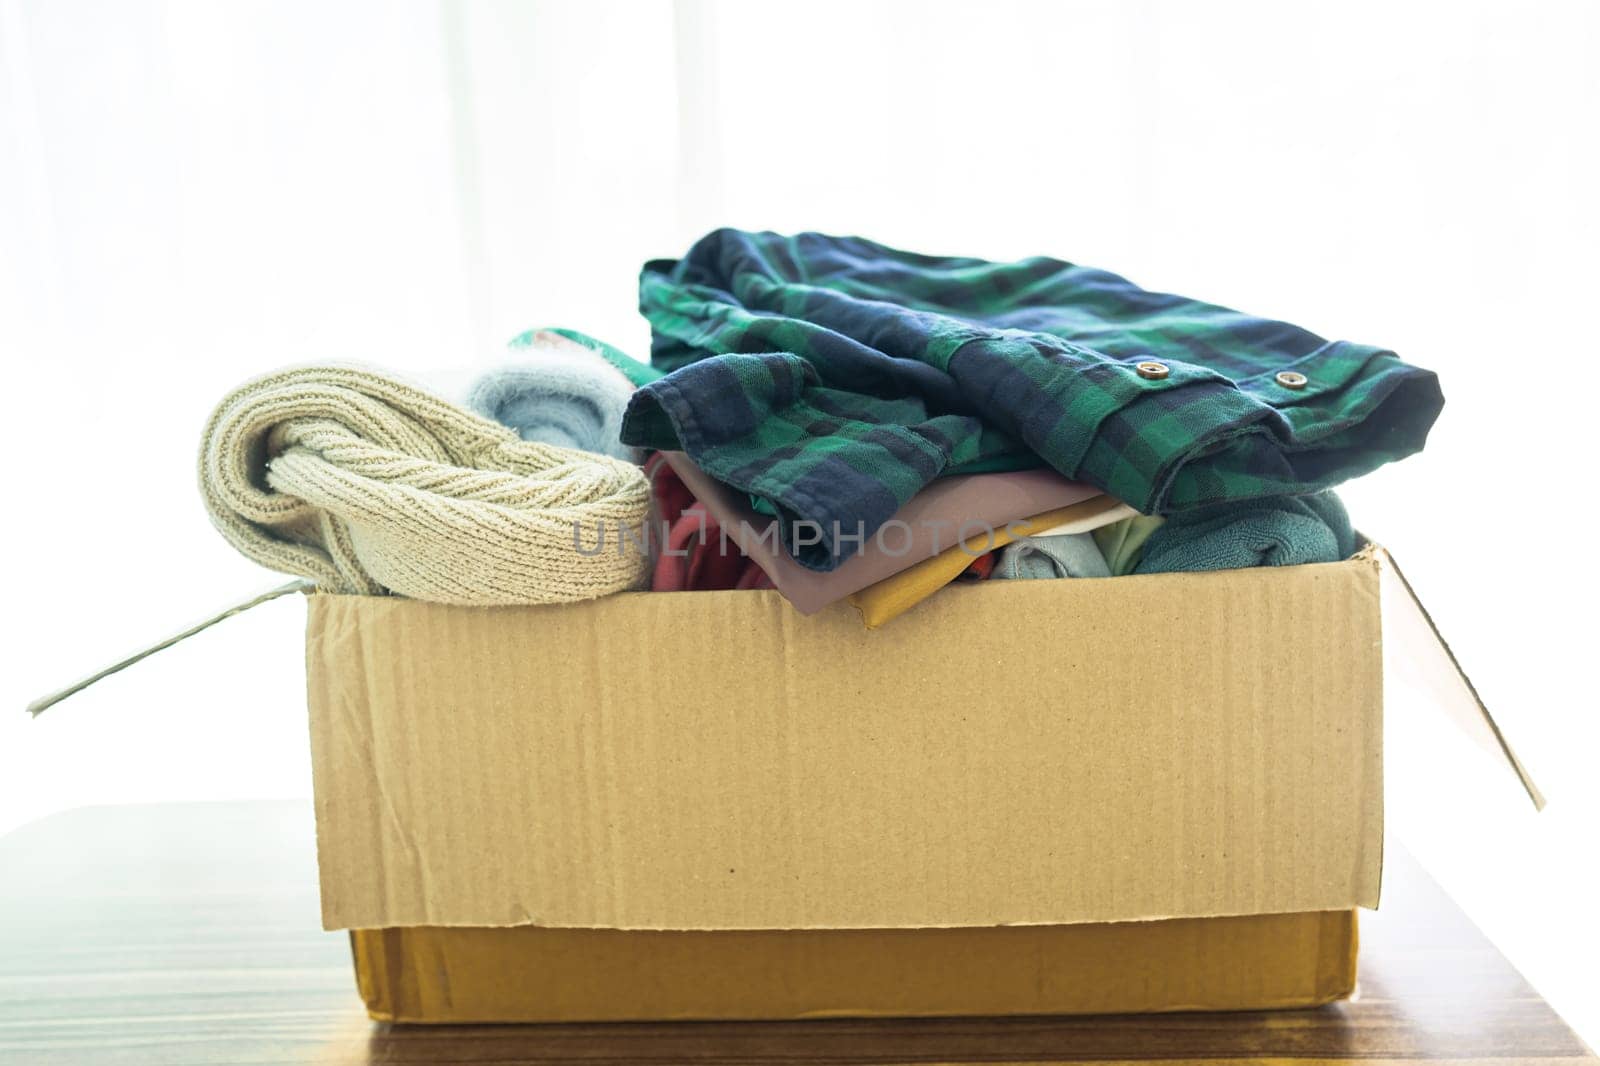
{"x": 528, "y": 974}
{"x": 1132, "y": 794}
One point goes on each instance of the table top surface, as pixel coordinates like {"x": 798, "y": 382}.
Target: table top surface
{"x": 190, "y": 933}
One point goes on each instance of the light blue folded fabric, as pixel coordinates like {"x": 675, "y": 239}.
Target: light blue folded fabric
{"x": 559, "y": 391}
{"x": 641, "y": 374}
{"x": 1273, "y": 531}
{"x": 1057, "y": 555}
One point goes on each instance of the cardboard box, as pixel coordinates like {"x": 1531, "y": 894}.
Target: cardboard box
{"x": 528, "y": 974}
{"x": 1130, "y": 794}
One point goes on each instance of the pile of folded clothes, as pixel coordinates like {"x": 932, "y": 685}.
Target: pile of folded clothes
{"x": 832, "y": 419}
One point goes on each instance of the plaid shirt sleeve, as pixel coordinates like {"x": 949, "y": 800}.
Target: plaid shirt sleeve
{"x": 835, "y": 378}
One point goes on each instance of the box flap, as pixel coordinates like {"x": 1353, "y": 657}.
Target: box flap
{"x": 1010, "y": 753}
{"x": 1419, "y": 651}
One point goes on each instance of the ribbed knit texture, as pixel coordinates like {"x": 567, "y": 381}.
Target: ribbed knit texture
{"x": 367, "y": 485}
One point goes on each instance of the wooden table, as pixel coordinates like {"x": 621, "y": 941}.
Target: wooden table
{"x": 189, "y": 934}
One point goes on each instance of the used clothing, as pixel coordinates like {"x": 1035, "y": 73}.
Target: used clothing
{"x": 637, "y": 373}
{"x": 558, "y": 392}
{"x": 980, "y": 569}
{"x": 1122, "y": 543}
{"x": 368, "y": 485}
{"x": 935, "y": 520}
{"x": 835, "y": 378}
{"x": 1053, "y": 555}
{"x": 894, "y": 596}
{"x": 694, "y": 555}
{"x": 1282, "y": 531}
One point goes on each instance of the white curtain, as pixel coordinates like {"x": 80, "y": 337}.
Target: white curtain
{"x": 191, "y": 192}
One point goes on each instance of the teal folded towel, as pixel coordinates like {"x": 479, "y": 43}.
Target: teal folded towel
{"x": 564, "y": 389}
{"x": 1052, "y": 555}
{"x": 1273, "y": 531}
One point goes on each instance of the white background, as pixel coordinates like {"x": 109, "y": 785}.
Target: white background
{"x": 194, "y": 192}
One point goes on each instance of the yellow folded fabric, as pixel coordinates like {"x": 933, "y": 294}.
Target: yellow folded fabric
{"x": 894, "y": 596}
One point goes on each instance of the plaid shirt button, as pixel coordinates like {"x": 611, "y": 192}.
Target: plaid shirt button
{"x": 1156, "y": 371}
{"x": 1291, "y": 379}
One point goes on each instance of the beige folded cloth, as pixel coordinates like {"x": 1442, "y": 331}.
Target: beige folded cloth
{"x": 367, "y": 485}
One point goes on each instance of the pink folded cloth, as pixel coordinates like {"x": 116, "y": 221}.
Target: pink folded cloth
{"x": 931, "y": 522}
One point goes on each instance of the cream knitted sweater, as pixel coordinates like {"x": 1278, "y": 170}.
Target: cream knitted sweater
{"x": 366, "y": 484}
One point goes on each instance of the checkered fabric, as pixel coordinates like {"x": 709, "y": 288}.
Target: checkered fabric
{"x": 834, "y": 377}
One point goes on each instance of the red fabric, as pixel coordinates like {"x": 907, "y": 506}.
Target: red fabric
{"x": 980, "y": 568}
{"x": 667, "y": 490}
{"x": 693, "y": 554}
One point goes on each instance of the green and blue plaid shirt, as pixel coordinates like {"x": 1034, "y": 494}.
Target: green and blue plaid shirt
{"x": 835, "y": 377}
